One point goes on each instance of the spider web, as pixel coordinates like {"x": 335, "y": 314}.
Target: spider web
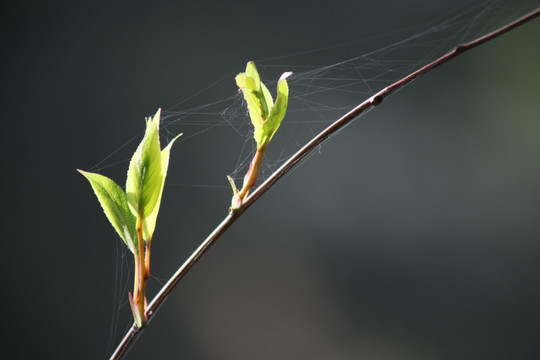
{"x": 319, "y": 94}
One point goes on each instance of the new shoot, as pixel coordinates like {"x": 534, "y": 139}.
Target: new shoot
{"x": 133, "y": 213}
{"x": 266, "y": 116}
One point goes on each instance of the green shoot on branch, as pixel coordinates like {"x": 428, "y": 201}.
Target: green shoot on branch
{"x": 133, "y": 213}
{"x": 266, "y": 116}
{"x": 260, "y": 108}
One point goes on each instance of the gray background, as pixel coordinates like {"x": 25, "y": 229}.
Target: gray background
{"x": 413, "y": 234}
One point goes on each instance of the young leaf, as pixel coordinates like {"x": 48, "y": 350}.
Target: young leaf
{"x": 260, "y": 89}
{"x": 268, "y": 101}
{"x": 252, "y": 73}
{"x": 150, "y": 220}
{"x": 137, "y": 209}
{"x": 114, "y": 203}
{"x": 265, "y": 115}
{"x": 278, "y": 110}
{"x": 256, "y": 94}
{"x": 251, "y": 95}
{"x": 144, "y": 176}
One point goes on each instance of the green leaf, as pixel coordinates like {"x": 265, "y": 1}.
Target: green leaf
{"x": 267, "y": 100}
{"x": 253, "y": 101}
{"x": 144, "y": 178}
{"x": 266, "y": 116}
{"x": 256, "y": 94}
{"x": 260, "y": 89}
{"x": 114, "y": 203}
{"x": 252, "y": 73}
{"x": 277, "y": 113}
{"x": 150, "y": 220}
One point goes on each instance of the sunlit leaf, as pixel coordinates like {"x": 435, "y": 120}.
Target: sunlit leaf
{"x": 251, "y": 72}
{"x": 252, "y": 98}
{"x": 260, "y": 89}
{"x": 144, "y": 178}
{"x": 114, "y": 203}
{"x": 268, "y": 101}
{"x": 266, "y": 116}
{"x": 257, "y": 96}
{"x": 278, "y": 110}
{"x": 150, "y": 220}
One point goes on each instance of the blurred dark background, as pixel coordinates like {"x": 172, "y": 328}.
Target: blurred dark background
{"x": 413, "y": 234}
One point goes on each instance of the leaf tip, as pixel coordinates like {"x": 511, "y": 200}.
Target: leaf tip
{"x": 82, "y": 172}
{"x": 285, "y": 75}
{"x": 176, "y": 137}
{"x": 157, "y": 115}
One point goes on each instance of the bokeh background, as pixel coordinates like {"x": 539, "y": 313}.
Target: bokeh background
{"x": 413, "y": 234}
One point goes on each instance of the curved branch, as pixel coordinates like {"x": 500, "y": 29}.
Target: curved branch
{"x": 373, "y": 101}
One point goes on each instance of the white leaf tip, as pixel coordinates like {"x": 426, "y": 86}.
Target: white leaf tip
{"x": 285, "y": 75}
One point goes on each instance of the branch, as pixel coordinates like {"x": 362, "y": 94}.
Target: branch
{"x": 373, "y": 101}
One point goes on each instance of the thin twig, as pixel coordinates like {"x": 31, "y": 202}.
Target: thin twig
{"x": 373, "y": 101}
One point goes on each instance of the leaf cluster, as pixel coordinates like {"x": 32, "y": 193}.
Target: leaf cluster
{"x": 144, "y": 188}
{"x": 266, "y": 116}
